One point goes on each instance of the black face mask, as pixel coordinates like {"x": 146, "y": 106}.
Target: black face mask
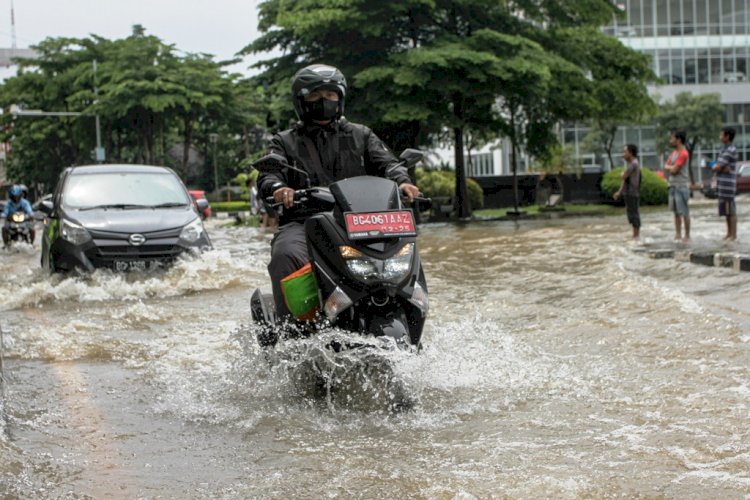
{"x": 322, "y": 109}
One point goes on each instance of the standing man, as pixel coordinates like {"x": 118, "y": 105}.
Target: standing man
{"x": 726, "y": 181}
{"x": 676, "y": 170}
{"x": 630, "y": 188}
{"x": 328, "y": 148}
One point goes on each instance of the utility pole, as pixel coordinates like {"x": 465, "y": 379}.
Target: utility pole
{"x": 12, "y": 25}
{"x": 213, "y": 138}
{"x": 99, "y": 152}
{"x": 100, "y": 155}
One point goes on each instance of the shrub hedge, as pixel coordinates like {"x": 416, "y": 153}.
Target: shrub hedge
{"x": 653, "y": 187}
{"x": 442, "y": 183}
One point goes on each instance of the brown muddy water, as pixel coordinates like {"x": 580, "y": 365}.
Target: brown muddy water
{"x": 557, "y": 363}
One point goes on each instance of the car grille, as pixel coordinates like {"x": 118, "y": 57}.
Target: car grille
{"x": 114, "y": 256}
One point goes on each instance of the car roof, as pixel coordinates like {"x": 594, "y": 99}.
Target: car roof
{"x": 117, "y": 169}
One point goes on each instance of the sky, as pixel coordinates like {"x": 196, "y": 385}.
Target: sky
{"x": 218, "y": 27}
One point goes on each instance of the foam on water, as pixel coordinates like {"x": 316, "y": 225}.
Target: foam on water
{"x": 211, "y": 271}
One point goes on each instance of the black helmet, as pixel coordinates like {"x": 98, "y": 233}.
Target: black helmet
{"x": 314, "y": 77}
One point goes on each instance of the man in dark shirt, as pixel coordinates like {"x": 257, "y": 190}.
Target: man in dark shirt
{"x": 630, "y": 187}
{"x": 726, "y": 181}
{"x": 328, "y": 148}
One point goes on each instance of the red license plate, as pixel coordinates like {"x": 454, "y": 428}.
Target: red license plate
{"x": 380, "y": 224}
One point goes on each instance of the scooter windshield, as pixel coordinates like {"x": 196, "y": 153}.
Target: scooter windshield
{"x": 366, "y": 194}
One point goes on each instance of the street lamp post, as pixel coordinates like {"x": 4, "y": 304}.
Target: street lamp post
{"x": 99, "y": 153}
{"x": 214, "y": 138}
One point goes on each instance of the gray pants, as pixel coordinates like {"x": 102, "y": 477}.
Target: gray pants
{"x": 288, "y": 254}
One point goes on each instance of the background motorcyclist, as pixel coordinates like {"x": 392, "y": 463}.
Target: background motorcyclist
{"x": 329, "y": 148}
{"x": 16, "y": 203}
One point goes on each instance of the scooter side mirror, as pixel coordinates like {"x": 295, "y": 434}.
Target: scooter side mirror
{"x": 411, "y": 157}
{"x": 271, "y": 163}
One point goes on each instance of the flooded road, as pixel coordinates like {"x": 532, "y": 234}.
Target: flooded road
{"x": 556, "y": 363}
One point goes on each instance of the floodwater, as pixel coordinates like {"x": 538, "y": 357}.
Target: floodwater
{"x": 556, "y": 363}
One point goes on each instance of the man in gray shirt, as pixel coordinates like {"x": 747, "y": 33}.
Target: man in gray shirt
{"x": 630, "y": 188}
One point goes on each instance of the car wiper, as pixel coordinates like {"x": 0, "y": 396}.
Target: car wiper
{"x": 122, "y": 206}
{"x": 168, "y": 205}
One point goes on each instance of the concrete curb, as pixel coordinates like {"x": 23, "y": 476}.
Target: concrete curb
{"x": 729, "y": 260}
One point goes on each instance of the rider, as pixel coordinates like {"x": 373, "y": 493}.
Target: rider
{"x": 16, "y": 203}
{"x": 329, "y": 148}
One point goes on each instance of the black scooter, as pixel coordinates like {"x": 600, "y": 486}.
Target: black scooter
{"x": 361, "y": 242}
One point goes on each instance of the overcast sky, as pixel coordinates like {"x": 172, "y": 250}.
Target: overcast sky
{"x": 218, "y": 27}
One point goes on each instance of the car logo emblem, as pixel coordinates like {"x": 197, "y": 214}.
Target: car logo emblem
{"x": 137, "y": 239}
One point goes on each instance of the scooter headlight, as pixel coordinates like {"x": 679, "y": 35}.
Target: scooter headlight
{"x": 397, "y": 267}
{"x": 17, "y": 217}
{"x": 75, "y": 234}
{"x": 359, "y": 264}
{"x": 393, "y": 269}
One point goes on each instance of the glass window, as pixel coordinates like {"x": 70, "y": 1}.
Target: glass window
{"x": 662, "y": 19}
{"x": 648, "y": 19}
{"x": 675, "y": 17}
{"x": 703, "y": 73}
{"x": 634, "y": 16}
{"x": 690, "y": 67}
{"x": 714, "y": 17}
{"x": 727, "y": 17}
{"x": 648, "y": 142}
{"x": 715, "y": 66}
{"x": 742, "y": 64}
{"x": 701, "y": 17}
{"x": 89, "y": 190}
{"x": 678, "y": 76}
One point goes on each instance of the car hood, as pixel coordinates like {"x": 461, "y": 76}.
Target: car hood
{"x": 133, "y": 221}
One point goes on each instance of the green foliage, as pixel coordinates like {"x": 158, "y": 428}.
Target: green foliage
{"x": 441, "y": 183}
{"x": 154, "y": 105}
{"x": 230, "y": 206}
{"x": 653, "y": 187}
{"x": 698, "y": 115}
{"x": 417, "y": 68}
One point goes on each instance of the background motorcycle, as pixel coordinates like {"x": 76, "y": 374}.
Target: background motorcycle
{"x": 19, "y": 226}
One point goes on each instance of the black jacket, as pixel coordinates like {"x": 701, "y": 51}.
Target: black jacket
{"x": 344, "y": 149}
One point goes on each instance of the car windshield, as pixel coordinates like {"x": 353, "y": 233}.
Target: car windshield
{"x": 124, "y": 190}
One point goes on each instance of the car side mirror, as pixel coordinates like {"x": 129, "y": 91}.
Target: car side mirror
{"x": 201, "y": 204}
{"x": 46, "y": 207}
{"x": 411, "y": 157}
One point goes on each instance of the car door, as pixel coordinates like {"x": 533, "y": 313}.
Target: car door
{"x": 51, "y": 229}
{"x": 743, "y": 177}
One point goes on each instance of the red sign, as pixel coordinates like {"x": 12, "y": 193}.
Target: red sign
{"x": 380, "y": 224}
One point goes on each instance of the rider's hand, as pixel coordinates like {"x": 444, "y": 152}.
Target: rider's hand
{"x": 410, "y": 190}
{"x": 284, "y": 195}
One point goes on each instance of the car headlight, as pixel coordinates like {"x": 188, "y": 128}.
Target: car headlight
{"x": 393, "y": 269}
{"x": 192, "y": 232}
{"x": 75, "y": 234}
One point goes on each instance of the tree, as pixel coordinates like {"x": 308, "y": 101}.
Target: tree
{"x": 700, "y": 116}
{"x": 618, "y": 77}
{"x": 420, "y": 66}
{"x": 149, "y": 99}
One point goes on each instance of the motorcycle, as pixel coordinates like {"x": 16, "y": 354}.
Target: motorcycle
{"x": 368, "y": 277}
{"x": 19, "y": 226}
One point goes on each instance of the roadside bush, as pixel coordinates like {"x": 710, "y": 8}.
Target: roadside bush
{"x": 653, "y": 187}
{"x": 230, "y": 206}
{"x": 441, "y": 183}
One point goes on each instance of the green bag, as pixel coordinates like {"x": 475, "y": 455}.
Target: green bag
{"x": 301, "y": 293}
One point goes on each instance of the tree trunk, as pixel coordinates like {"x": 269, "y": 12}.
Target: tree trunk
{"x": 690, "y": 149}
{"x": 513, "y": 160}
{"x": 608, "y": 146}
{"x": 461, "y": 203}
{"x": 187, "y": 138}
